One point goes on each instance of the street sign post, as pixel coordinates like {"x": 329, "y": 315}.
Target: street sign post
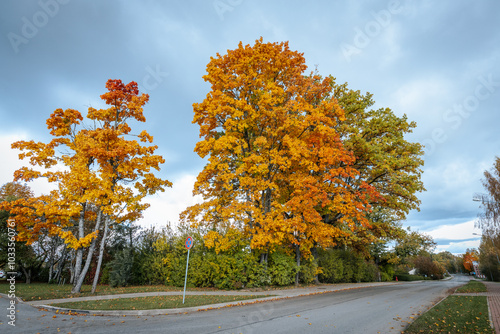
{"x": 188, "y": 244}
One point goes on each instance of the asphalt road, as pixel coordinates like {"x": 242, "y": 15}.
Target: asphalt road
{"x": 381, "y": 309}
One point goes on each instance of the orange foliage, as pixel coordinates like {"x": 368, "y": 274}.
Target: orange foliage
{"x": 469, "y": 257}
{"x": 276, "y": 165}
{"x": 14, "y": 190}
{"x": 92, "y": 173}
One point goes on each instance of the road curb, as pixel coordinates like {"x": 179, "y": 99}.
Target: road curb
{"x": 184, "y": 310}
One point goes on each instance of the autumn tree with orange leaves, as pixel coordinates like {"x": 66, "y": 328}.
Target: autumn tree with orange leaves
{"x": 102, "y": 175}
{"x": 469, "y": 257}
{"x": 276, "y": 165}
{"x": 26, "y": 259}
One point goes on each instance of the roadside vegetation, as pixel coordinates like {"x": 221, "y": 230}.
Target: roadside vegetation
{"x": 42, "y": 291}
{"x": 156, "y": 302}
{"x": 455, "y": 314}
{"x": 472, "y": 287}
{"x": 155, "y": 260}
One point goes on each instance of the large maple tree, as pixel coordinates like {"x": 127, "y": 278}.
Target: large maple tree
{"x": 276, "y": 165}
{"x": 99, "y": 171}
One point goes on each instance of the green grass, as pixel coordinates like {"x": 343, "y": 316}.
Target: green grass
{"x": 472, "y": 286}
{"x": 151, "y": 303}
{"x": 42, "y": 291}
{"x": 455, "y": 314}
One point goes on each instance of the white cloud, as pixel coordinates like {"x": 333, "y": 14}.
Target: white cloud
{"x": 458, "y": 247}
{"x": 463, "y": 231}
{"x": 449, "y": 236}
{"x": 166, "y": 207}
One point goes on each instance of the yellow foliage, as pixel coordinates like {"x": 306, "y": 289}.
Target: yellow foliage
{"x": 276, "y": 163}
{"x": 97, "y": 164}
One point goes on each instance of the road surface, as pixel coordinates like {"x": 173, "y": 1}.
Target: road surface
{"x": 381, "y": 309}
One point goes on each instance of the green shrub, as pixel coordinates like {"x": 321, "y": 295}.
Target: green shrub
{"x": 225, "y": 271}
{"x": 370, "y": 272}
{"x": 282, "y": 269}
{"x": 105, "y": 275}
{"x": 256, "y": 273}
{"x": 120, "y": 268}
{"x": 386, "y": 272}
{"x": 308, "y": 269}
{"x": 408, "y": 277}
{"x": 162, "y": 260}
{"x": 216, "y": 270}
{"x": 332, "y": 266}
{"x": 344, "y": 266}
{"x": 385, "y": 277}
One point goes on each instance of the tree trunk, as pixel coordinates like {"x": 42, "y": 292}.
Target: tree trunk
{"x": 52, "y": 258}
{"x": 79, "y": 279}
{"x": 297, "y": 257}
{"x": 27, "y": 274}
{"x": 60, "y": 265}
{"x": 101, "y": 252}
{"x": 263, "y": 258}
{"x": 72, "y": 268}
{"x": 78, "y": 265}
{"x": 79, "y": 251}
{"x": 314, "y": 252}
{"x": 50, "y": 270}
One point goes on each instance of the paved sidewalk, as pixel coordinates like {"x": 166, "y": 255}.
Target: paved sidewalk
{"x": 493, "y": 295}
{"x": 494, "y": 304}
{"x": 271, "y": 295}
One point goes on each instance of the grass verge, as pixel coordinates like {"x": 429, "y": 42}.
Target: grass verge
{"x": 472, "y": 287}
{"x": 455, "y": 314}
{"x": 42, "y": 291}
{"x": 152, "y": 303}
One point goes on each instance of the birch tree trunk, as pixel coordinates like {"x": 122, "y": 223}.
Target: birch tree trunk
{"x": 101, "y": 252}
{"x": 72, "y": 268}
{"x": 51, "y": 265}
{"x": 79, "y": 251}
{"x": 79, "y": 279}
{"x": 60, "y": 265}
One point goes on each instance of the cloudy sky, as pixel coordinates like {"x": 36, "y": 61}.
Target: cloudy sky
{"x": 436, "y": 62}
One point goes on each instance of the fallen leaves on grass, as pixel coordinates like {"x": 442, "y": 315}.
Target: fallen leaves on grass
{"x": 156, "y": 302}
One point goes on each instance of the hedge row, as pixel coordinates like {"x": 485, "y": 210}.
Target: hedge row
{"x": 167, "y": 265}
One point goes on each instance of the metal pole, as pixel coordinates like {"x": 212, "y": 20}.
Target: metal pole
{"x": 185, "y": 278}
